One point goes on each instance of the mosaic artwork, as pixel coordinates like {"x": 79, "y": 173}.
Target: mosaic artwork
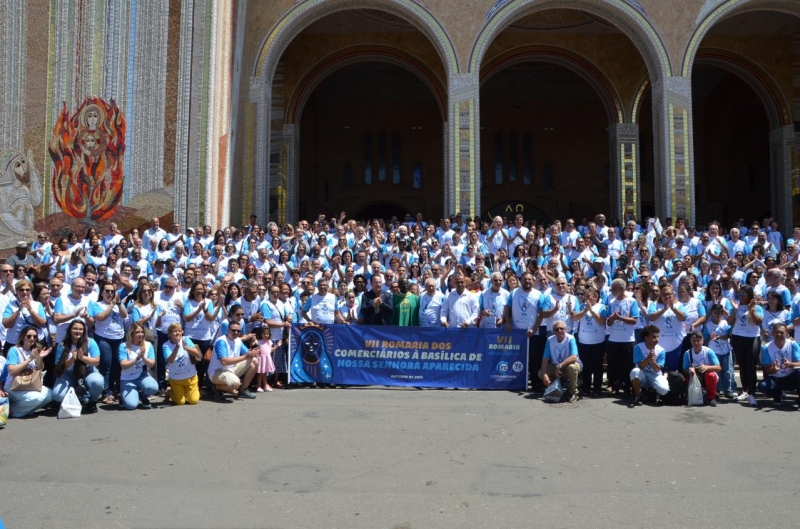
{"x": 87, "y": 151}
{"x": 20, "y": 192}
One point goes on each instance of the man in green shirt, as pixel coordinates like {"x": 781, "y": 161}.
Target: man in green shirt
{"x": 405, "y": 311}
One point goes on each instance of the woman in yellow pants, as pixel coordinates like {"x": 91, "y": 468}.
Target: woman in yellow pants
{"x": 181, "y": 354}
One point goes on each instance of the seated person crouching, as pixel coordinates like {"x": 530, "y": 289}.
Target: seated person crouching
{"x": 780, "y": 360}
{"x": 560, "y": 357}
{"x": 702, "y": 361}
{"x": 233, "y": 366}
{"x": 648, "y": 369}
{"x": 26, "y": 356}
{"x": 181, "y": 354}
{"x": 77, "y": 358}
{"x": 136, "y": 357}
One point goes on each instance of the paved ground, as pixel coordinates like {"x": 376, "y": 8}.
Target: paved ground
{"x": 400, "y": 459}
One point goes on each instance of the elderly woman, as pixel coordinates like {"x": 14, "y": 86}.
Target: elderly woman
{"x": 136, "y": 356}
{"x": 22, "y": 311}
{"x": 26, "y": 357}
{"x": 181, "y": 354}
{"x": 77, "y": 358}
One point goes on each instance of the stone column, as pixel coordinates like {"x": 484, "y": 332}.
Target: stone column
{"x": 674, "y": 151}
{"x": 260, "y": 95}
{"x": 625, "y": 188}
{"x": 462, "y": 189}
{"x": 796, "y": 117}
{"x": 291, "y": 184}
{"x": 782, "y": 163}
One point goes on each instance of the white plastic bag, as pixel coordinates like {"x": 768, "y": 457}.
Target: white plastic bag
{"x": 554, "y": 392}
{"x": 694, "y": 392}
{"x": 70, "y": 406}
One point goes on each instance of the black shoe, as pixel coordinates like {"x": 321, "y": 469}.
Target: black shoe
{"x": 145, "y": 405}
{"x": 246, "y": 394}
{"x": 637, "y": 401}
{"x": 89, "y": 408}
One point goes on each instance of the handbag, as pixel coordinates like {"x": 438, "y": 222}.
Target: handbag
{"x": 70, "y": 406}
{"x": 28, "y": 380}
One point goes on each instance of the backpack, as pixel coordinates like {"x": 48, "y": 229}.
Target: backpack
{"x": 677, "y": 389}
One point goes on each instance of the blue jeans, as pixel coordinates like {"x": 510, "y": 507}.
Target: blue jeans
{"x": 672, "y": 361}
{"x": 26, "y": 402}
{"x": 135, "y": 390}
{"x": 93, "y": 382}
{"x": 773, "y": 386}
{"x": 727, "y": 377}
{"x": 109, "y": 363}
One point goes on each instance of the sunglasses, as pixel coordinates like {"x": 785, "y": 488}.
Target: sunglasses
{"x": 31, "y": 336}
{"x": 235, "y": 330}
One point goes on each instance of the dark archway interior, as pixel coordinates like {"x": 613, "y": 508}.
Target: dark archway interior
{"x": 731, "y": 148}
{"x": 380, "y": 210}
{"x": 370, "y": 132}
{"x": 544, "y": 140}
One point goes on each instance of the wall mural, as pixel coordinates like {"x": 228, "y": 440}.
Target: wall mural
{"x": 20, "y": 192}
{"x": 87, "y": 151}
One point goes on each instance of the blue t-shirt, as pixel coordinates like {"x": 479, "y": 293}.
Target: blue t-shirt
{"x": 91, "y": 349}
{"x": 113, "y": 327}
{"x": 705, "y": 357}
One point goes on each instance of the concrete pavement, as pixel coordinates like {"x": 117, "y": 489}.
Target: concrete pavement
{"x": 403, "y": 458}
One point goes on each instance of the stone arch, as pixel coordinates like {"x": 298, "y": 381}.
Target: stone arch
{"x": 357, "y": 54}
{"x": 280, "y": 36}
{"x": 755, "y": 77}
{"x": 709, "y": 17}
{"x": 568, "y": 59}
{"x": 304, "y": 14}
{"x": 630, "y": 20}
{"x": 644, "y": 86}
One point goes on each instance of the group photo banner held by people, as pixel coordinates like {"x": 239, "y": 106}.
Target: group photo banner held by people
{"x": 392, "y": 356}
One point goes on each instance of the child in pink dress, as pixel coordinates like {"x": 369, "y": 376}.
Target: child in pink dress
{"x": 266, "y": 365}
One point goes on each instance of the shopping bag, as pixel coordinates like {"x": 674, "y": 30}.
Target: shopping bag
{"x": 553, "y": 392}
{"x": 70, "y": 406}
{"x": 695, "y": 392}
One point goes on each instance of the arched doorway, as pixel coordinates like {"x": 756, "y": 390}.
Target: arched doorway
{"x": 303, "y": 37}
{"x": 553, "y": 128}
{"x": 743, "y": 127}
{"x": 731, "y": 138}
{"x": 753, "y": 41}
{"x": 534, "y": 116}
{"x": 371, "y": 131}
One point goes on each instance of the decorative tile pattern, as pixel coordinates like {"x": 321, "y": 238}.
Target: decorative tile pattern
{"x": 624, "y": 139}
{"x": 146, "y": 89}
{"x": 13, "y": 60}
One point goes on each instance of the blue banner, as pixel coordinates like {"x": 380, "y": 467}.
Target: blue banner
{"x": 365, "y": 355}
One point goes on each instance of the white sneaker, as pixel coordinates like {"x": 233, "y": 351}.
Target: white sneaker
{"x": 259, "y": 390}
{"x": 743, "y": 397}
{"x": 752, "y": 401}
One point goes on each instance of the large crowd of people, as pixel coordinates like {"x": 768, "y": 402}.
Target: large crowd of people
{"x": 124, "y": 318}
